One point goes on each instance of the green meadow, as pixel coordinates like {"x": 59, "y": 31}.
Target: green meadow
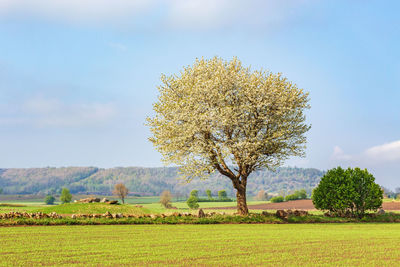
{"x": 205, "y": 245}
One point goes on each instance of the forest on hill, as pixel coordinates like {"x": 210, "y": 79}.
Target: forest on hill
{"x": 147, "y": 181}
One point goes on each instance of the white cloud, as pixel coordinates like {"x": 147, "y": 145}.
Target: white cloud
{"x": 181, "y": 14}
{"x": 385, "y": 152}
{"x": 52, "y": 112}
{"x": 381, "y": 154}
{"x": 338, "y": 154}
{"x": 383, "y": 161}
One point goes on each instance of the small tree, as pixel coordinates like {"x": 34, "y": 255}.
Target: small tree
{"x": 348, "y": 192}
{"x": 66, "y": 196}
{"x": 209, "y": 195}
{"x": 165, "y": 199}
{"x": 120, "y": 191}
{"x": 262, "y": 195}
{"x": 1, "y": 190}
{"x": 222, "y": 194}
{"x": 192, "y": 202}
{"x": 49, "y": 200}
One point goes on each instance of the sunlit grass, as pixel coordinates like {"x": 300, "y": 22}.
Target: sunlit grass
{"x": 185, "y": 245}
{"x": 92, "y": 208}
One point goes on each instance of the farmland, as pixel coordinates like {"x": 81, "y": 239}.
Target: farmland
{"x": 313, "y": 244}
{"x": 225, "y": 240}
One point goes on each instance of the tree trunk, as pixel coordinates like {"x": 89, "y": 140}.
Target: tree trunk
{"x": 241, "y": 201}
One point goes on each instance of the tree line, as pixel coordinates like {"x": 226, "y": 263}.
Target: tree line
{"x": 147, "y": 181}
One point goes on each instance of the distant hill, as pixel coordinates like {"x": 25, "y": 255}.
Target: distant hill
{"x": 146, "y": 181}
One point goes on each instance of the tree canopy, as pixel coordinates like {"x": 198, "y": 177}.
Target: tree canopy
{"x": 217, "y": 114}
{"x": 66, "y": 196}
{"x": 349, "y": 192}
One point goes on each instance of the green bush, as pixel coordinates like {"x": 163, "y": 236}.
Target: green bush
{"x": 192, "y": 202}
{"x": 277, "y": 199}
{"x": 300, "y": 194}
{"x": 49, "y": 200}
{"x": 209, "y": 195}
{"x": 194, "y": 193}
{"x": 222, "y": 195}
{"x": 66, "y": 196}
{"x": 291, "y": 197}
{"x": 348, "y": 192}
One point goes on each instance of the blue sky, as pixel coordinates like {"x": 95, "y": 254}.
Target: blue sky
{"x": 78, "y": 78}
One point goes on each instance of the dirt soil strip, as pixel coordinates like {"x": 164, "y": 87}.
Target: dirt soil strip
{"x": 302, "y": 205}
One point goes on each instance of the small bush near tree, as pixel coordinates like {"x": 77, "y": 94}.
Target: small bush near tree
{"x": 194, "y": 193}
{"x": 300, "y": 194}
{"x": 222, "y": 194}
{"x": 49, "y": 200}
{"x": 66, "y": 196}
{"x": 262, "y": 195}
{"x": 165, "y": 199}
{"x": 208, "y": 193}
{"x": 291, "y": 197}
{"x": 348, "y": 192}
{"x": 192, "y": 202}
{"x": 277, "y": 199}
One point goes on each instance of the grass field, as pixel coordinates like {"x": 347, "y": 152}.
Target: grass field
{"x": 289, "y": 245}
{"x": 150, "y": 205}
{"x": 92, "y": 208}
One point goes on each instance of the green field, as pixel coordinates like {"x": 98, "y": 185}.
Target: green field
{"x": 289, "y": 245}
{"x": 149, "y": 204}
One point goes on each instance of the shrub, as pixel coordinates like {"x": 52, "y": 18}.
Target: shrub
{"x": 348, "y": 192}
{"x": 300, "y": 194}
{"x": 209, "y": 195}
{"x": 277, "y": 199}
{"x": 192, "y": 202}
{"x": 194, "y": 193}
{"x": 165, "y": 199}
{"x": 66, "y": 196}
{"x": 222, "y": 194}
{"x": 291, "y": 197}
{"x": 49, "y": 200}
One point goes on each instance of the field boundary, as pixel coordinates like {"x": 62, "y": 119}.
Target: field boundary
{"x": 190, "y": 219}
{"x": 304, "y": 204}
